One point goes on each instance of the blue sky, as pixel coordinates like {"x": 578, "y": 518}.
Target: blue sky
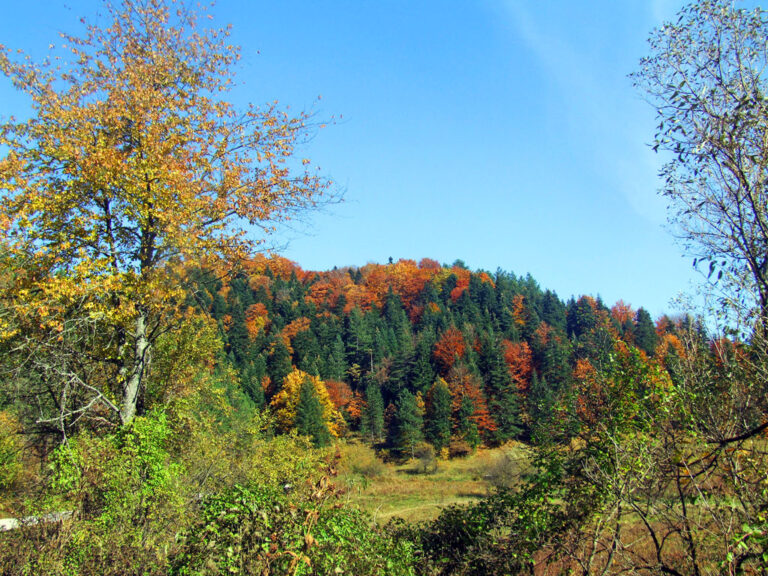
{"x": 503, "y": 133}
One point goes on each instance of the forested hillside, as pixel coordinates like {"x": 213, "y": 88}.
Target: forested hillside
{"x": 409, "y": 351}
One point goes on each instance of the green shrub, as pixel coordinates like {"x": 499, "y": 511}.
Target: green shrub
{"x": 361, "y": 459}
{"x": 266, "y": 531}
{"x": 425, "y": 456}
{"x": 126, "y": 503}
{"x": 10, "y": 450}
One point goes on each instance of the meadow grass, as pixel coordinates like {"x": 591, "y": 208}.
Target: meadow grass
{"x": 389, "y": 490}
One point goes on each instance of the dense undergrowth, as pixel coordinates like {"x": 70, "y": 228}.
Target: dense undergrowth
{"x": 658, "y": 478}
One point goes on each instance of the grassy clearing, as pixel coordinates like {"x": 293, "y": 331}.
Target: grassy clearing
{"x": 387, "y": 490}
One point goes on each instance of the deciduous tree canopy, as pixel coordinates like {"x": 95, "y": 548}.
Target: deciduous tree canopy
{"x": 132, "y": 164}
{"x": 706, "y": 76}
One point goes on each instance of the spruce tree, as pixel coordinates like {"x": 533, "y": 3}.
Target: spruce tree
{"x": 335, "y": 366}
{"x": 503, "y": 403}
{"x": 466, "y": 426}
{"x": 219, "y": 306}
{"x": 541, "y": 406}
{"x": 409, "y": 422}
{"x": 251, "y": 379}
{"x": 437, "y": 425}
{"x": 279, "y": 364}
{"x": 239, "y": 341}
{"x": 309, "y": 416}
{"x": 306, "y": 351}
{"x": 373, "y": 415}
{"x": 645, "y": 332}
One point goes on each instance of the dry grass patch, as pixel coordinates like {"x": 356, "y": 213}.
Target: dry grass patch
{"x": 400, "y": 490}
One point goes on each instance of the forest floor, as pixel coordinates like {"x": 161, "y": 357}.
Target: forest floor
{"x": 405, "y": 490}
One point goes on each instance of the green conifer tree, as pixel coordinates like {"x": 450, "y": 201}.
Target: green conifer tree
{"x": 465, "y": 426}
{"x": 335, "y": 365}
{"x": 503, "y": 402}
{"x": 373, "y": 415}
{"x": 541, "y": 405}
{"x": 409, "y": 422}
{"x": 437, "y": 425}
{"x": 251, "y": 379}
{"x": 279, "y": 364}
{"x": 309, "y": 416}
{"x": 645, "y": 332}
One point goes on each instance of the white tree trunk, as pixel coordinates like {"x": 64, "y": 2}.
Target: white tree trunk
{"x": 134, "y": 373}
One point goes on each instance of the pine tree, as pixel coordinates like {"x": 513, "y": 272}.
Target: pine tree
{"x": 645, "y": 332}
{"x": 279, "y": 364}
{"x": 373, "y": 415}
{"x": 309, "y": 416}
{"x": 409, "y": 422}
{"x": 465, "y": 425}
{"x": 437, "y": 425}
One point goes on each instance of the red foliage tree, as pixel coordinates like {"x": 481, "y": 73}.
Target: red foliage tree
{"x": 256, "y": 319}
{"x": 462, "y": 383}
{"x": 519, "y": 359}
{"x": 449, "y": 348}
{"x": 340, "y": 393}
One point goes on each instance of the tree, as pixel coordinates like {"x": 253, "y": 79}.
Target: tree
{"x": 309, "y": 416}
{"x": 286, "y": 402}
{"x": 279, "y": 364}
{"x": 252, "y": 378}
{"x": 408, "y": 423}
{"x": 437, "y": 426}
{"x": 503, "y": 402}
{"x": 449, "y": 348}
{"x": 466, "y": 426}
{"x": 133, "y": 164}
{"x": 706, "y": 78}
{"x": 373, "y": 414}
{"x": 645, "y": 332}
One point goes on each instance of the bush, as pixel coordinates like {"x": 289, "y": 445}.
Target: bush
{"x": 361, "y": 459}
{"x": 266, "y": 531}
{"x": 459, "y": 448}
{"x": 425, "y": 454}
{"x": 505, "y": 471}
{"x": 125, "y": 501}
{"x": 10, "y": 450}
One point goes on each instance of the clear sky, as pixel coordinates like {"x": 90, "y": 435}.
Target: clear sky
{"x": 505, "y": 133}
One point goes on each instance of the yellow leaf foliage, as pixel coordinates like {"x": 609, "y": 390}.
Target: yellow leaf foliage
{"x": 286, "y": 401}
{"x": 134, "y": 160}
{"x": 132, "y": 166}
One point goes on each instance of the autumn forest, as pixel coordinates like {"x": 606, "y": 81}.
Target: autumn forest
{"x": 404, "y": 352}
{"x": 175, "y": 399}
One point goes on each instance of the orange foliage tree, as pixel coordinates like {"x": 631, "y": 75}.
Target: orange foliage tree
{"x": 133, "y": 163}
{"x": 462, "y": 383}
{"x": 256, "y": 319}
{"x": 340, "y": 393}
{"x": 449, "y": 348}
{"x": 519, "y": 359}
{"x": 289, "y": 332}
